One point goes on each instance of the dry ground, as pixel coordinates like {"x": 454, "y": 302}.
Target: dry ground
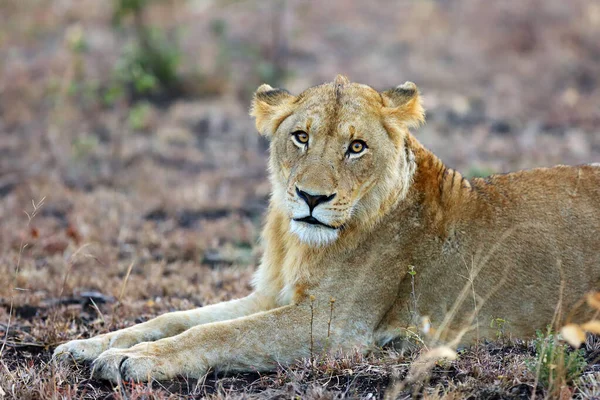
{"x": 148, "y": 205}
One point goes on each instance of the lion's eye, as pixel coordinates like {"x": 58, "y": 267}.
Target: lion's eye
{"x": 300, "y": 137}
{"x": 357, "y": 147}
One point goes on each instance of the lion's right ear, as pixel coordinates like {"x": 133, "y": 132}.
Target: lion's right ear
{"x": 403, "y": 103}
{"x": 270, "y": 107}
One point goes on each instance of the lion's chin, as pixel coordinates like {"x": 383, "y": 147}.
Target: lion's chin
{"x": 314, "y": 235}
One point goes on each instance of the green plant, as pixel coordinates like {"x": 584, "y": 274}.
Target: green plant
{"x": 555, "y": 365}
{"x": 500, "y": 325}
{"x": 151, "y": 63}
{"x": 478, "y": 172}
{"x": 125, "y": 8}
{"x": 138, "y": 116}
{"x": 151, "y": 66}
{"x": 76, "y": 39}
{"x": 112, "y": 94}
{"x": 414, "y": 312}
{"x": 84, "y": 145}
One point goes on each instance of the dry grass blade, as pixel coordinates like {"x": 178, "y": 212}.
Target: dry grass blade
{"x": 125, "y": 282}
{"x": 434, "y": 355}
{"x": 122, "y": 293}
{"x": 22, "y": 246}
{"x": 97, "y": 310}
{"x": 420, "y": 368}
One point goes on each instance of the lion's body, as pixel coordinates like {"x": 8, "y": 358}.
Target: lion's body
{"x": 509, "y": 245}
{"x": 349, "y": 218}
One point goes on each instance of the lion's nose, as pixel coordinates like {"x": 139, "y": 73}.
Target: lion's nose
{"x": 313, "y": 200}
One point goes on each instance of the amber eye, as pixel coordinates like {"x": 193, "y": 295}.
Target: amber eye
{"x": 357, "y": 147}
{"x": 301, "y": 137}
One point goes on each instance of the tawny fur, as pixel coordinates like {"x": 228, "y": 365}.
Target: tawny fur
{"x": 518, "y": 246}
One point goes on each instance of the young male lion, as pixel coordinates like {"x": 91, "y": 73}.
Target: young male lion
{"x": 357, "y": 204}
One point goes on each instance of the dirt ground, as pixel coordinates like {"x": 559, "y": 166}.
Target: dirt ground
{"x": 112, "y": 212}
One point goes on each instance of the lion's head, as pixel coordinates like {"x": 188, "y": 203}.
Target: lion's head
{"x": 338, "y": 153}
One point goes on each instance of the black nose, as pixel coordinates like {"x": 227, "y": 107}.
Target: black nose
{"x": 313, "y": 200}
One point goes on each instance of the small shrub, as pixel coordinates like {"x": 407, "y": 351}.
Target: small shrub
{"x": 151, "y": 63}
{"x": 152, "y": 66}
{"x": 556, "y": 365}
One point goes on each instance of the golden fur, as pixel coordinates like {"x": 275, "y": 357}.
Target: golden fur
{"x": 509, "y": 246}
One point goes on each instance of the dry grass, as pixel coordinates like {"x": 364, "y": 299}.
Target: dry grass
{"x": 156, "y": 206}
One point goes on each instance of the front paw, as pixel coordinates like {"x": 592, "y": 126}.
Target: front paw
{"x": 84, "y": 350}
{"x": 138, "y": 363}
{"x": 87, "y": 350}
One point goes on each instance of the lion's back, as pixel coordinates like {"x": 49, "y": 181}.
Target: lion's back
{"x": 561, "y": 191}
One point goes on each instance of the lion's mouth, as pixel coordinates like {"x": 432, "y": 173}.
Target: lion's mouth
{"x": 313, "y": 221}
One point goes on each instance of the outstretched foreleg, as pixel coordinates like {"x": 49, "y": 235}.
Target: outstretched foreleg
{"x": 256, "y": 342}
{"x": 163, "y": 326}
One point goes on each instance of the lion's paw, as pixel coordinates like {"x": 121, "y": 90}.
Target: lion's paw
{"x": 84, "y": 350}
{"x": 137, "y": 364}
{"x": 87, "y": 350}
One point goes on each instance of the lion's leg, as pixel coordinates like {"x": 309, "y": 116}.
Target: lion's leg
{"x": 256, "y": 342}
{"x": 163, "y": 326}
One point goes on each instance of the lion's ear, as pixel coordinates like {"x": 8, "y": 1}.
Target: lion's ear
{"x": 403, "y": 103}
{"x": 270, "y": 107}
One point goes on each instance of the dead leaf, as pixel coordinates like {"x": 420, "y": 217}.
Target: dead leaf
{"x": 55, "y": 246}
{"x": 573, "y": 334}
{"x": 73, "y": 233}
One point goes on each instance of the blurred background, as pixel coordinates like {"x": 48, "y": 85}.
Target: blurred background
{"x": 126, "y": 123}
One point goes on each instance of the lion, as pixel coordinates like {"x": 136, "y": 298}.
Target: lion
{"x": 367, "y": 233}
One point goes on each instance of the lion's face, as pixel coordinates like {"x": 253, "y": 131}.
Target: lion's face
{"x": 328, "y": 155}
{"x": 335, "y": 158}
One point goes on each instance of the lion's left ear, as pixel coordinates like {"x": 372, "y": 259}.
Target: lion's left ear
{"x": 270, "y": 107}
{"x": 403, "y": 103}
